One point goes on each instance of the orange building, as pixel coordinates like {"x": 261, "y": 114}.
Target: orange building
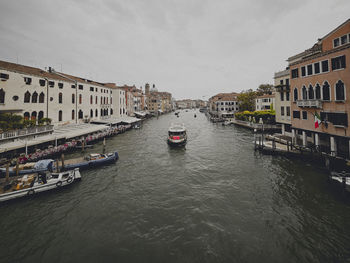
{"x": 320, "y": 87}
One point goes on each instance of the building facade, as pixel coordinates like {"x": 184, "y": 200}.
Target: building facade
{"x": 224, "y": 105}
{"x": 265, "y": 102}
{"x": 320, "y": 86}
{"x": 283, "y": 100}
{"x": 35, "y": 94}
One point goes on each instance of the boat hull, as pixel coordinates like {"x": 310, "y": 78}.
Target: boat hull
{"x": 177, "y": 143}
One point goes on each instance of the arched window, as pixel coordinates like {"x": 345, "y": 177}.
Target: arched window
{"x": 60, "y": 97}
{"x": 35, "y": 97}
{"x": 27, "y": 97}
{"x": 311, "y": 92}
{"x": 101, "y": 112}
{"x": 80, "y": 114}
{"x": 318, "y": 92}
{"x": 80, "y": 98}
{"x": 26, "y": 115}
{"x": 33, "y": 115}
{"x": 101, "y": 100}
{"x": 339, "y": 90}
{"x": 326, "y": 91}
{"x": 91, "y": 99}
{"x": 107, "y": 100}
{"x": 73, "y": 98}
{"x": 96, "y": 100}
{"x": 73, "y": 114}
{"x": 41, "y": 97}
{"x": 120, "y": 110}
{"x": 60, "y": 115}
{"x": 91, "y": 113}
{"x": 295, "y": 94}
{"x": 2, "y": 96}
{"x": 40, "y": 115}
{"x": 304, "y": 92}
{"x": 111, "y": 111}
{"x": 96, "y": 112}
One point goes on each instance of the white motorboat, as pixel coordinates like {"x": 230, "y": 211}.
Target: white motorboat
{"x": 31, "y": 184}
{"x": 177, "y": 135}
{"x": 342, "y": 178}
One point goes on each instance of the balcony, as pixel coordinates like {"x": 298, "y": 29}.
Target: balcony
{"x": 282, "y": 87}
{"x": 26, "y": 132}
{"x": 310, "y": 103}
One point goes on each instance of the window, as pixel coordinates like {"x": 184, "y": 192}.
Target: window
{"x": 336, "y": 118}
{"x": 282, "y": 95}
{"x": 287, "y": 82}
{"x": 288, "y": 111}
{"x": 281, "y": 81}
{"x": 60, "y": 115}
{"x": 60, "y": 85}
{"x": 304, "y": 93}
{"x": 96, "y": 112}
{"x": 325, "y": 66}
{"x": 91, "y": 88}
{"x": 96, "y": 100}
{"x": 318, "y": 92}
{"x": 309, "y": 70}
{"x": 60, "y": 97}
{"x": 336, "y": 42}
{"x": 33, "y": 115}
{"x": 296, "y": 114}
{"x": 317, "y": 67}
{"x": 326, "y": 91}
{"x": 344, "y": 40}
{"x": 27, "y": 97}
{"x": 73, "y": 98}
{"x": 80, "y": 115}
{"x": 101, "y": 100}
{"x": 42, "y": 82}
{"x": 282, "y": 111}
{"x": 91, "y": 99}
{"x": 51, "y": 84}
{"x": 287, "y": 96}
{"x": 295, "y": 73}
{"x": 295, "y": 94}
{"x": 311, "y": 92}
{"x": 73, "y": 86}
{"x": 303, "y": 72}
{"x": 81, "y": 86}
{"x": 35, "y": 97}
{"x": 304, "y": 115}
{"x": 80, "y": 98}
{"x": 26, "y": 115}
{"x": 91, "y": 113}
{"x": 4, "y": 76}
{"x": 338, "y": 63}
{"x": 40, "y": 115}
{"x": 339, "y": 91}
{"x": 15, "y": 98}
{"x": 2, "y": 96}
{"x": 41, "y": 97}
{"x": 73, "y": 114}
{"x": 27, "y": 80}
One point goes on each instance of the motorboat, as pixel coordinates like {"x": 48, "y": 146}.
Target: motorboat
{"x": 342, "y": 178}
{"x": 177, "y": 135}
{"x": 31, "y": 184}
{"x": 90, "y": 161}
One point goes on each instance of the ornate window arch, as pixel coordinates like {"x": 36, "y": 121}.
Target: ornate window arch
{"x": 339, "y": 90}
{"x": 35, "y": 97}
{"x": 41, "y": 97}
{"x": 326, "y": 94}
{"x": 318, "y": 95}
{"x": 304, "y": 93}
{"x": 2, "y": 96}
{"x": 27, "y": 97}
{"x": 311, "y": 92}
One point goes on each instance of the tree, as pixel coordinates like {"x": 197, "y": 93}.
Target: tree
{"x": 246, "y": 100}
{"x": 264, "y": 89}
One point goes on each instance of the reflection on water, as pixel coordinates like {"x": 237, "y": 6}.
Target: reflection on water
{"x": 215, "y": 200}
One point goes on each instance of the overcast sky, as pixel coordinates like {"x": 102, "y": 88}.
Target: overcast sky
{"x": 189, "y": 48}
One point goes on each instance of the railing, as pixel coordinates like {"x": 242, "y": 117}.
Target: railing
{"x": 25, "y": 132}
{"x": 309, "y": 103}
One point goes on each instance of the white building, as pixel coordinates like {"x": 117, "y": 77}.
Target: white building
{"x": 224, "y": 105}
{"x": 265, "y": 102}
{"x": 35, "y": 93}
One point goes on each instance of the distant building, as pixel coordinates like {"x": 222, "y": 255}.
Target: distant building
{"x": 224, "y": 105}
{"x": 265, "y": 102}
{"x": 283, "y": 100}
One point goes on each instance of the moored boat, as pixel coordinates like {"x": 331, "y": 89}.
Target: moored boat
{"x": 40, "y": 182}
{"x": 342, "y": 178}
{"x": 177, "y": 135}
{"x": 89, "y": 161}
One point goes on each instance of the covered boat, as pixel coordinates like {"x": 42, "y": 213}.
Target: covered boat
{"x": 177, "y": 135}
{"x": 90, "y": 161}
{"x": 40, "y": 182}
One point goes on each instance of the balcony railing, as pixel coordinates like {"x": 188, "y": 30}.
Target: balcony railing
{"x": 25, "y": 132}
{"x": 310, "y": 103}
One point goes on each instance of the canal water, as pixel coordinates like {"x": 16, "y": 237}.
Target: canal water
{"x": 214, "y": 201}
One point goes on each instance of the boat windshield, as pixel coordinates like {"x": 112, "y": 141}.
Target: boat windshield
{"x": 178, "y": 133}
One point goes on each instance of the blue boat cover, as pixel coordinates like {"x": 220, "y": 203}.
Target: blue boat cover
{"x": 44, "y": 164}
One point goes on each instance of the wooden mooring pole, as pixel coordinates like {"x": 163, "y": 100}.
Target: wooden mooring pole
{"x": 62, "y": 162}
{"x": 7, "y": 173}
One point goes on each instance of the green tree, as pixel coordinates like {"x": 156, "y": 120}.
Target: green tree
{"x": 246, "y": 100}
{"x": 264, "y": 89}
